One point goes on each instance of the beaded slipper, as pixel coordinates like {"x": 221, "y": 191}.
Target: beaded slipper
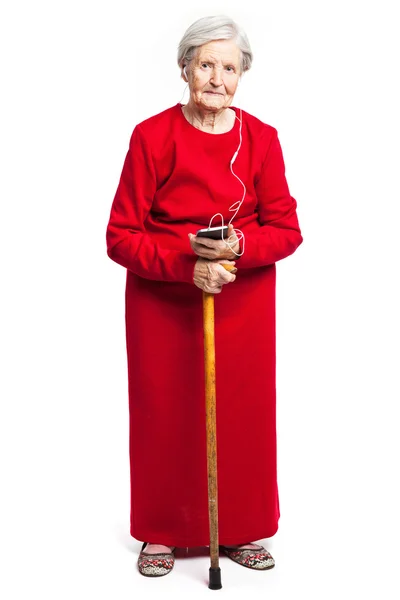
{"x": 155, "y": 565}
{"x": 254, "y": 558}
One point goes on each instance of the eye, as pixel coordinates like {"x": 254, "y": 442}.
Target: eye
{"x": 206, "y": 64}
{"x": 230, "y": 68}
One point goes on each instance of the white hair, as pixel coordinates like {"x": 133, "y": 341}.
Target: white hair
{"x": 208, "y": 29}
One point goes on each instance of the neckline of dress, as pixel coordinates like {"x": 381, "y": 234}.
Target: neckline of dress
{"x": 179, "y": 107}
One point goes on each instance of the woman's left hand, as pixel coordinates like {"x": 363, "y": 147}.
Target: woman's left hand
{"x": 211, "y": 249}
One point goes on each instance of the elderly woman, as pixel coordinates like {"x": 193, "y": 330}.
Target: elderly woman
{"x": 181, "y": 169}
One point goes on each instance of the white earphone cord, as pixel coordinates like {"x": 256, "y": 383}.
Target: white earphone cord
{"x": 235, "y": 231}
{"x": 239, "y": 203}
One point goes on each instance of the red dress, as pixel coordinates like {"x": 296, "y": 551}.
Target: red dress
{"x": 174, "y": 179}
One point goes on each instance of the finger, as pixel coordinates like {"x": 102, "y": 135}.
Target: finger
{"x": 230, "y": 280}
{"x": 224, "y": 275}
{"x": 201, "y": 250}
{"x": 196, "y": 245}
{"x": 208, "y": 242}
{"x": 232, "y": 232}
{"x": 206, "y": 253}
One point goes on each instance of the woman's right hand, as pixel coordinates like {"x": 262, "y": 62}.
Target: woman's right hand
{"x": 210, "y": 275}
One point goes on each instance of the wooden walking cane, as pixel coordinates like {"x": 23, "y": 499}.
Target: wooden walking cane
{"x": 209, "y": 361}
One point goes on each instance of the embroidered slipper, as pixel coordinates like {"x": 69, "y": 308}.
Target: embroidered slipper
{"x": 155, "y": 565}
{"x": 254, "y": 558}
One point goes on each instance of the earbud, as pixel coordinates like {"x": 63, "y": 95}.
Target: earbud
{"x": 184, "y": 70}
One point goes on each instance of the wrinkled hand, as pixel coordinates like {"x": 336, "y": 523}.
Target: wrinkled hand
{"x": 215, "y": 249}
{"x": 210, "y": 276}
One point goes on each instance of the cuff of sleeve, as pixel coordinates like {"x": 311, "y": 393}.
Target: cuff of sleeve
{"x": 250, "y": 258}
{"x": 184, "y": 268}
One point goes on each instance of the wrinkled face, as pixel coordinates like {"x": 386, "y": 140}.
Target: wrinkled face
{"x": 213, "y": 75}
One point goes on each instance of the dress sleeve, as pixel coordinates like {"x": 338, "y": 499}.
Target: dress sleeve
{"x": 280, "y": 234}
{"x": 128, "y": 243}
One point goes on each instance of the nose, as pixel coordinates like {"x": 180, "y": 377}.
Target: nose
{"x": 216, "y": 77}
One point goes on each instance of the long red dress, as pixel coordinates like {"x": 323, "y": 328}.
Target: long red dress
{"x": 174, "y": 178}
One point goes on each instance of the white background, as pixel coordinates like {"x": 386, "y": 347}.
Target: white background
{"x": 76, "y": 78}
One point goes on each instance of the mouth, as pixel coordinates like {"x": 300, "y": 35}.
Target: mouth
{"x": 214, "y": 93}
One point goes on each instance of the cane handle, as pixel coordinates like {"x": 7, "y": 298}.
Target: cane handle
{"x": 229, "y": 267}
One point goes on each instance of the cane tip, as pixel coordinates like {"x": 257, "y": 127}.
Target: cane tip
{"x": 215, "y": 578}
